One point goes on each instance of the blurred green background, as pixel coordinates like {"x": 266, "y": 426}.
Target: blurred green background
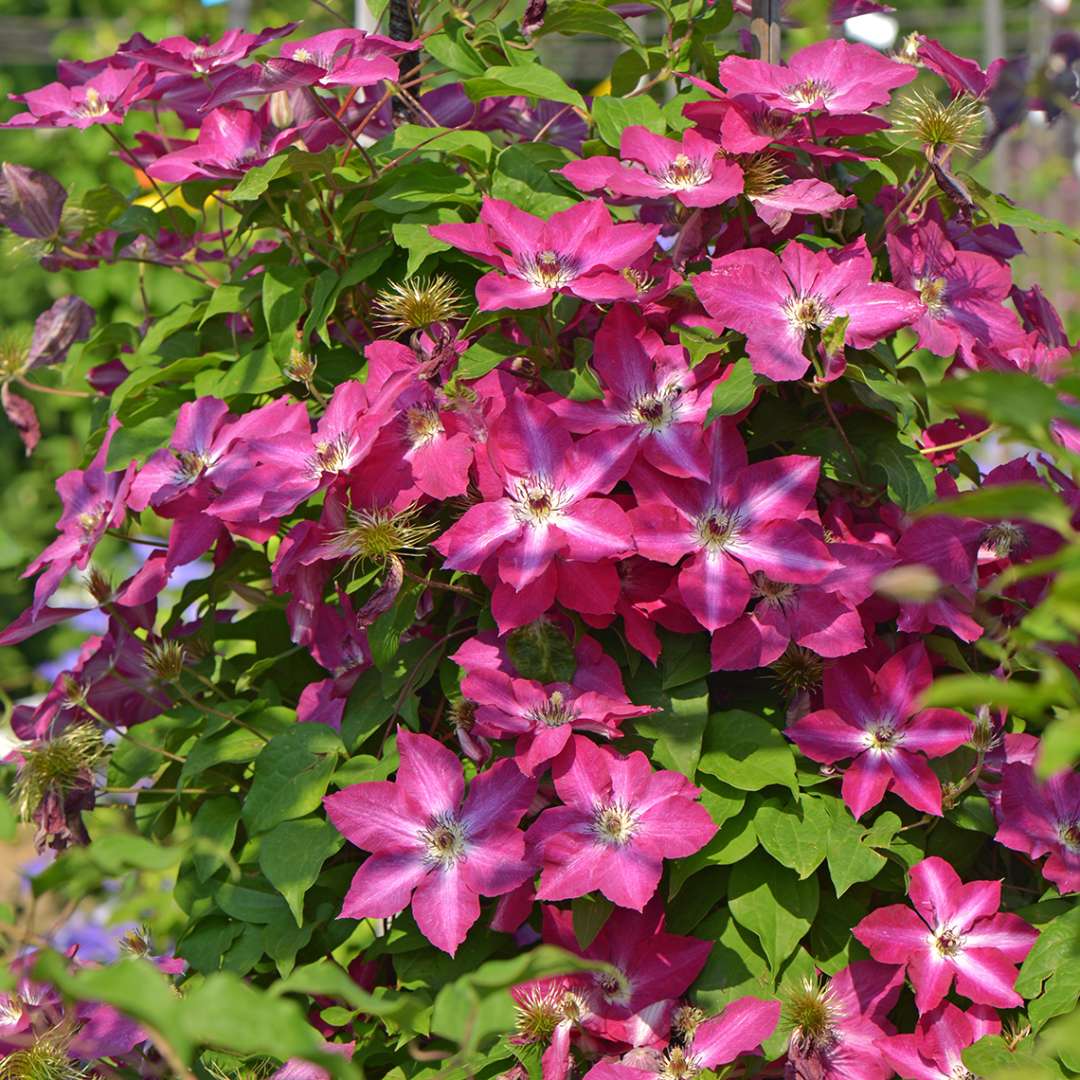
{"x": 1037, "y": 166}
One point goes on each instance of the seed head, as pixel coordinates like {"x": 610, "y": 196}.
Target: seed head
{"x": 417, "y": 303}
{"x": 98, "y": 585}
{"x": 939, "y": 125}
{"x": 810, "y": 1011}
{"x": 14, "y": 351}
{"x": 378, "y": 535}
{"x": 300, "y": 367}
{"x": 165, "y": 659}
{"x": 47, "y": 1059}
{"x": 61, "y": 764}
{"x": 798, "y": 671}
{"x": 762, "y": 173}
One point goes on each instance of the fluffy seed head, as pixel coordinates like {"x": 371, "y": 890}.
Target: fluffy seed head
{"x": 376, "y": 535}
{"x": 417, "y": 303}
{"x": 798, "y": 670}
{"x": 939, "y": 125}
{"x": 47, "y": 1059}
{"x": 810, "y": 1011}
{"x": 60, "y": 763}
{"x": 165, "y": 659}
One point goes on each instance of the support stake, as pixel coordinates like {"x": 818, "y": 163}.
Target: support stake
{"x": 765, "y": 26}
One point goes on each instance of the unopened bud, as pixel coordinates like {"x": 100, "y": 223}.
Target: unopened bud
{"x": 282, "y": 114}
{"x": 31, "y": 202}
{"x": 300, "y": 367}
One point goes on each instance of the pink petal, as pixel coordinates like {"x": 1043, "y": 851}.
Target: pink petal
{"x": 444, "y": 908}
{"x": 914, "y": 781}
{"x": 865, "y": 782}
{"x": 903, "y": 678}
{"x": 374, "y": 817}
{"x": 596, "y": 529}
{"x": 987, "y": 977}
{"x": 429, "y": 774}
{"x": 497, "y": 799}
{"x": 781, "y": 487}
{"x": 743, "y": 1026}
{"x": 826, "y": 737}
{"x": 893, "y": 934}
{"x": 715, "y": 588}
{"x": 1007, "y": 933}
{"x": 935, "y": 890}
{"x": 382, "y": 886}
{"x": 937, "y": 732}
{"x": 784, "y": 551}
{"x": 478, "y": 534}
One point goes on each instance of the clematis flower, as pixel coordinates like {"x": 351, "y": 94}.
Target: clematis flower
{"x": 693, "y": 170}
{"x": 432, "y": 844}
{"x": 543, "y": 716}
{"x": 1040, "y": 819}
{"x": 961, "y": 293}
{"x": 577, "y": 251}
{"x": 550, "y": 508}
{"x": 740, "y": 1029}
{"x": 955, "y": 932}
{"x": 94, "y": 500}
{"x": 102, "y": 99}
{"x": 836, "y": 1024}
{"x": 186, "y": 57}
{"x": 776, "y": 301}
{"x": 634, "y": 1002}
{"x": 870, "y": 717}
{"x": 650, "y": 387}
{"x": 746, "y": 518}
{"x": 230, "y": 142}
{"x": 961, "y": 73}
{"x": 935, "y": 1050}
{"x": 836, "y": 77}
{"x": 620, "y": 820}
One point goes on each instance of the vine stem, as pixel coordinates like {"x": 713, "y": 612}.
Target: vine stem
{"x": 959, "y": 442}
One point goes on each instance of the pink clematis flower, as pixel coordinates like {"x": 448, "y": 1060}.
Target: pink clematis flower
{"x": 746, "y": 518}
{"x": 94, "y": 500}
{"x": 577, "y": 251}
{"x": 633, "y": 1003}
{"x": 871, "y": 717}
{"x": 935, "y": 1050}
{"x": 776, "y": 301}
{"x": 961, "y": 73}
{"x": 230, "y": 142}
{"x": 104, "y": 98}
{"x": 836, "y": 1025}
{"x": 620, "y": 820}
{"x": 1040, "y": 819}
{"x": 692, "y": 170}
{"x": 650, "y": 387}
{"x": 431, "y": 843}
{"x": 543, "y": 716}
{"x": 186, "y": 57}
{"x": 955, "y": 932}
{"x": 740, "y": 1029}
{"x": 961, "y": 293}
{"x": 835, "y": 77}
{"x": 550, "y": 508}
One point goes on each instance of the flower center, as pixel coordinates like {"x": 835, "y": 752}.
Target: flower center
{"x": 809, "y": 92}
{"x": 302, "y": 56}
{"x": 679, "y": 1065}
{"x": 614, "y": 824}
{"x": 535, "y": 501}
{"x": 549, "y": 270}
{"x": 615, "y": 986}
{"x": 1004, "y": 538}
{"x": 190, "y": 465}
{"x": 444, "y": 841}
{"x": 1070, "y": 834}
{"x": 717, "y": 528}
{"x": 655, "y": 411}
{"x": 93, "y": 104}
{"x": 90, "y": 520}
{"x": 762, "y": 173}
{"x": 554, "y": 713}
{"x": 932, "y": 293}
{"x": 641, "y": 281}
{"x": 684, "y": 172}
{"x": 423, "y": 425}
{"x": 774, "y": 593}
{"x": 808, "y": 312}
{"x": 883, "y": 736}
{"x": 572, "y": 1007}
{"x": 948, "y": 941}
{"x": 330, "y": 456}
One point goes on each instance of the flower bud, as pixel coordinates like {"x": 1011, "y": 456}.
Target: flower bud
{"x": 913, "y": 584}
{"x": 68, "y": 321}
{"x": 31, "y": 202}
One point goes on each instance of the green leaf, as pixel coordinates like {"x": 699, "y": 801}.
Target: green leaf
{"x": 1001, "y": 211}
{"x": 850, "y": 858}
{"x": 214, "y": 830}
{"x": 773, "y": 904}
{"x": 613, "y": 115}
{"x": 747, "y": 752}
{"x": 677, "y": 730}
{"x": 578, "y": 383}
{"x": 291, "y": 776}
{"x": 794, "y": 834}
{"x": 533, "y": 80}
{"x": 541, "y": 651}
{"x": 292, "y": 854}
{"x": 589, "y": 914}
{"x": 283, "y": 304}
{"x": 256, "y": 180}
{"x": 1030, "y": 501}
{"x": 588, "y": 17}
{"x": 484, "y": 355}
{"x": 734, "y": 392}
{"x": 139, "y": 442}
{"x": 524, "y": 175}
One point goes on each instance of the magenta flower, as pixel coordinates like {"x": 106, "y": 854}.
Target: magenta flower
{"x": 550, "y": 507}
{"x": 740, "y": 1029}
{"x": 962, "y": 74}
{"x": 746, "y": 518}
{"x": 94, "y": 500}
{"x": 777, "y": 202}
{"x": 692, "y": 170}
{"x": 836, "y": 77}
{"x": 620, "y": 821}
{"x": 578, "y": 251}
{"x": 1040, "y": 819}
{"x": 652, "y": 969}
{"x": 960, "y": 293}
{"x": 955, "y": 932}
{"x": 202, "y": 57}
{"x": 935, "y": 1050}
{"x": 872, "y": 718}
{"x": 431, "y": 844}
{"x": 102, "y": 99}
{"x": 648, "y": 386}
{"x": 230, "y": 142}
{"x": 836, "y": 1025}
{"x": 776, "y": 301}
{"x": 543, "y": 716}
